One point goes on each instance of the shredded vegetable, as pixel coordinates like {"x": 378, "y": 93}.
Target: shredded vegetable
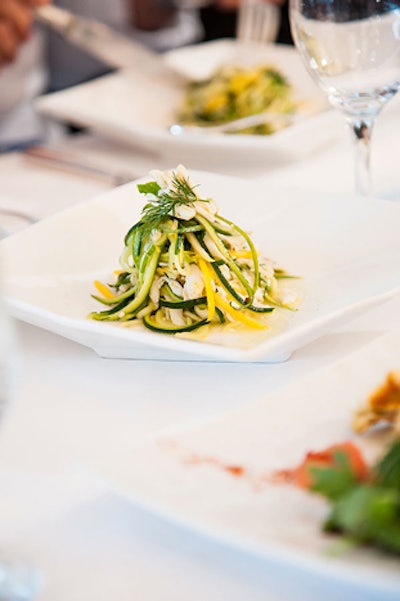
{"x": 184, "y": 265}
{"x": 234, "y": 92}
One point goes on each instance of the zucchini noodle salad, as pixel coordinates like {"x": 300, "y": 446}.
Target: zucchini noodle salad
{"x": 234, "y": 92}
{"x": 185, "y": 267}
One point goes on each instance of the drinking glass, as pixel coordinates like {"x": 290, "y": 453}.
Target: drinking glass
{"x": 352, "y": 50}
{"x": 18, "y": 581}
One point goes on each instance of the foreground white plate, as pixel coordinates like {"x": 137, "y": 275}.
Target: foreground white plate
{"x": 137, "y": 108}
{"x": 346, "y": 249}
{"x": 184, "y": 475}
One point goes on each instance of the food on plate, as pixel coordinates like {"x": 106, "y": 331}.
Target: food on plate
{"x": 234, "y": 92}
{"x": 304, "y": 474}
{"x": 381, "y": 407}
{"x": 184, "y": 266}
{"x": 365, "y": 500}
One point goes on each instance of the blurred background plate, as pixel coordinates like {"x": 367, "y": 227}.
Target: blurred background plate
{"x": 137, "y": 108}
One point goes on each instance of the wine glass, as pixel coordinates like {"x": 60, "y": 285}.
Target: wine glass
{"x": 352, "y": 50}
{"x": 18, "y": 581}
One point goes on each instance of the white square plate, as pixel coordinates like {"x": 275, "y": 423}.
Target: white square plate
{"x": 187, "y": 475}
{"x": 347, "y": 251}
{"x": 137, "y": 108}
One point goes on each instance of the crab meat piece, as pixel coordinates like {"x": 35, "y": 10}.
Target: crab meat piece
{"x": 206, "y": 208}
{"x": 184, "y": 211}
{"x": 176, "y": 287}
{"x": 176, "y": 316}
{"x": 194, "y": 283}
{"x": 155, "y": 290}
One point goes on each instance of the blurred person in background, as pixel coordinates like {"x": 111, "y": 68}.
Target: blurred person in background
{"x": 219, "y": 19}
{"x": 34, "y": 60}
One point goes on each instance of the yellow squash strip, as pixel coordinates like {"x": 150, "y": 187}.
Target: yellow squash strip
{"x": 216, "y": 279}
{"x": 205, "y": 270}
{"x": 241, "y": 254}
{"x": 238, "y": 315}
{"x": 103, "y": 289}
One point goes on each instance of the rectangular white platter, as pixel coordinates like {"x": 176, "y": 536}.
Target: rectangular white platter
{"x": 346, "y": 250}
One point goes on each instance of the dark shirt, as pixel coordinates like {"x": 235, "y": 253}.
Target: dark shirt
{"x": 222, "y": 24}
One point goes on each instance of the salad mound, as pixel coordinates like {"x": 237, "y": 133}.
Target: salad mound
{"x": 184, "y": 266}
{"x": 234, "y": 92}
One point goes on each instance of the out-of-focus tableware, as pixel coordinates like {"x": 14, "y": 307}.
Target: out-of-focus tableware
{"x": 136, "y": 108}
{"x": 103, "y": 42}
{"x": 178, "y": 129}
{"x": 52, "y": 287}
{"x": 18, "y": 581}
{"x": 6, "y": 345}
{"x": 215, "y": 478}
{"x": 13, "y": 220}
{"x": 352, "y": 49}
{"x": 68, "y": 161}
{"x": 257, "y": 21}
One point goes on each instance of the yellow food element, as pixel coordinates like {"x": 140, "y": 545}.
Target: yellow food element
{"x": 234, "y": 92}
{"x": 381, "y": 407}
{"x": 238, "y": 315}
{"x": 215, "y": 104}
{"x": 241, "y": 254}
{"x": 104, "y": 290}
{"x": 209, "y": 288}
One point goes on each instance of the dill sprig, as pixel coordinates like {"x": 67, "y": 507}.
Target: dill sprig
{"x": 161, "y": 208}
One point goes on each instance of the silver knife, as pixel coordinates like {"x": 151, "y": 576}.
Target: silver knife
{"x": 69, "y": 161}
{"x": 103, "y": 42}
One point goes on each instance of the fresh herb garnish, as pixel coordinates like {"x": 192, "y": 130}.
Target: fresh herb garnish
{"x": 158, "y": 210}
{"x": 366, "y": 511}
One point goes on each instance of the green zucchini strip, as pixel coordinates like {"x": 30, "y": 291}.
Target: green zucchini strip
{"x": 172, "y": 329}
{"x": 230, "y": 261}
{"x": 166, "y": 263}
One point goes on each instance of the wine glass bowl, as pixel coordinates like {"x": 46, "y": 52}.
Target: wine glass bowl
{"x": 352, "y": 50}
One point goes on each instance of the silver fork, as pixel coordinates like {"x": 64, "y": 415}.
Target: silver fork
{"x": 177, "y": 129}
{"x": 258, "y": 21}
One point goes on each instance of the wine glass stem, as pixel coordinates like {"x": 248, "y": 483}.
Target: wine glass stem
{"x": 361, "y": 130}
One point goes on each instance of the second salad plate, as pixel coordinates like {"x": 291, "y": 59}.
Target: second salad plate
{"x": 138, "y": 108}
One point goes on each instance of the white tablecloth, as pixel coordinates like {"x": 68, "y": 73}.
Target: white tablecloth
{"x": 88, "y": 540}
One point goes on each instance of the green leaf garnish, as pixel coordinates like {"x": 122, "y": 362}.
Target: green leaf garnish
{"x": 337, "y": 479}
{"x": 149, "y": 188}
{"x": 387, "y": 472}
{"x": 368, "y": 514}
{"x": 365, "y": 512}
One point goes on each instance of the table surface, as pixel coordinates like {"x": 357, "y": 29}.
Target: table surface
{"x": 86, "y": 538}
